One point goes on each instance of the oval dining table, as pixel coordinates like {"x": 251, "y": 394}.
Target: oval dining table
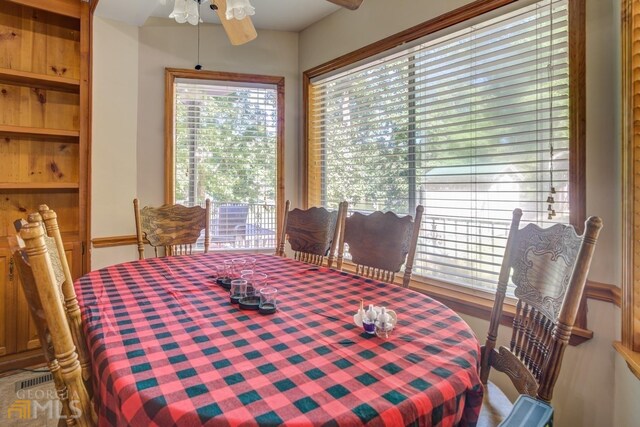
{"x": 169, "y": 349}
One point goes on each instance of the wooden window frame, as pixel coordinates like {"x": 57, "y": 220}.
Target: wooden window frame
{"x": 478, "y": 303}
{"x": 171, "y": 74}
{"x": 629, "y": 347}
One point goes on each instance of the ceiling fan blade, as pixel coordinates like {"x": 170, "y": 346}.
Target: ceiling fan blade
{"x": 349, "y": 4}
{"x": 239, "y": 31}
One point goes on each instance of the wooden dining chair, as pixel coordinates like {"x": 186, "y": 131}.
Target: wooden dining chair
{"x": 380, "y": 243}
{"x": 46, "y": 287}
{"x": 549, "y": 268}
{"x": 175, "y": 228}
{"x": 313, "y": 234}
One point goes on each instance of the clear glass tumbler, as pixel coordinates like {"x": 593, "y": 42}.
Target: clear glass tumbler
{"x": 268, "y": 300}
{"x": 255, "y": 281}
{"x": 238, "y": 290}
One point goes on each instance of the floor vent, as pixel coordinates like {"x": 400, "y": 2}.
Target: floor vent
{"x": 33, "y": 382}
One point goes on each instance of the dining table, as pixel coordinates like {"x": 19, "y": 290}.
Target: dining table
{"x": 168, "y": 348}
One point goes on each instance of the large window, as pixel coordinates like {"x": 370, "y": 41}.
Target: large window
{"x": 225, "y": 146}
{"x": 470, "y": 123}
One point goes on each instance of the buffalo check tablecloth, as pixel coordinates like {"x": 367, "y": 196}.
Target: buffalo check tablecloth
{"x": 169, "y": 349}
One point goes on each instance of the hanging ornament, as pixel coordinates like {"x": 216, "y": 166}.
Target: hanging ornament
{"x": 551, "y": 212}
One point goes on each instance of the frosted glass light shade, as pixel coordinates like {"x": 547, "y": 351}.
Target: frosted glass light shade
{"x": 239, "y": 9}
{"x": 186, "y": 11}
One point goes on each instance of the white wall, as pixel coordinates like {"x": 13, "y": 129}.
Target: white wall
{"x": 114, "y": 136}
{"x": 583, "y": 393}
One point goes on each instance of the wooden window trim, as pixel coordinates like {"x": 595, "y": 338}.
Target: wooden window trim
{"x": 629, "y": 348}
{"x": 171, "y": 74}
{"x": 451, "y": 295}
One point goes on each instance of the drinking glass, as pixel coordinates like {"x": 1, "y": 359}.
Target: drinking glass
{"x": 238, "y": 265}
{"x": 245, "y": 272}
{"x": 251, "y": 264}
{"x": 228, "y": 265}
{"x": 255, "y": 281}
{"x": 383, "y": 329}
{"x": 268, "y": 300}
{"x": 238, "y": 290}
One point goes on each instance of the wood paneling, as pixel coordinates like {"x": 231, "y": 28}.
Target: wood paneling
{"x": 35, "y": 161}
{"x": 69, "y": 8}
{"x": 5, "y": 301}
{"x": 113, "y": 241}
{"x": 39, "y": 42}
{"x": 14, "y": 205}
{"x": 34, "y": 107}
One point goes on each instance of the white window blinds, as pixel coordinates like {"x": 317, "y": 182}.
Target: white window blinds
{"x": 225, "y": 150}
{"x": 471, "y": 125}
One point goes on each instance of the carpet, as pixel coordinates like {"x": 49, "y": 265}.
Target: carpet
{"x": 28, "y": 399}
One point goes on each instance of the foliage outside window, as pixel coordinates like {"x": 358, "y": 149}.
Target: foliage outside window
{"x": 470, "y": 124}
{"x": 226, "y": 148}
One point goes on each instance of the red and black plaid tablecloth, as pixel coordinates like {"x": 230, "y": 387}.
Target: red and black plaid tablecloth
{"x": 169, "y": 349}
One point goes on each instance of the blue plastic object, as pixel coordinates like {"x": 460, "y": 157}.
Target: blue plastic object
{"x": 529, "y": 412}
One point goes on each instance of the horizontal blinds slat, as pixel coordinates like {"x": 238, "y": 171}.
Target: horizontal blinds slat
{"x": 460, "y": 100}
{"x": 442, "y": 84}
{"x": 461, "y": 50}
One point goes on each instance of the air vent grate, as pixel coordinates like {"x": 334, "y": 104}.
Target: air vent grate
{"x": 33, "y": 382}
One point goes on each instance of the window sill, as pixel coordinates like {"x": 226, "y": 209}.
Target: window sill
{"x": 473, "y": 303}
{"x": 631, "y": 357}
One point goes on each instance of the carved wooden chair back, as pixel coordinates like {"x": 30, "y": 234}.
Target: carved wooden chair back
{"x": 549, "y": 269}
{"x": 175, "y": 228}
{"x": 46, "y": 288}
{"x": 30, "y": 290}
{"x": 380, "y": 243}
{"x": 312, "y": 233}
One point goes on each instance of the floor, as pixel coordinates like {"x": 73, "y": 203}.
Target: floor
{"x": 35, "y": 405}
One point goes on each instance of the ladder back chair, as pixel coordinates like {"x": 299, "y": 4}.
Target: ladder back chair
{"x": 380, "y": 243}
{"x": 549, "y": 269}
{"x": 175, "y": 228}
{"x": 313, "y": 234}
{"x": 53, "y": 306}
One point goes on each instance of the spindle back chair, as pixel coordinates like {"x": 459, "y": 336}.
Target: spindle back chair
{"x": 313, "y": 234}
{"x": 549, "y": 269}
{"x": 380, "y": 243}
{"x": 47, "y": 285}
{"x": 175, "y": 228}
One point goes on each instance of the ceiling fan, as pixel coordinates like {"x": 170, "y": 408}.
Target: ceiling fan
{"x": 235, "y": 15}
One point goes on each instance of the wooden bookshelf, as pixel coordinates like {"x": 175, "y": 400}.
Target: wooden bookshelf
{"x": 44, "y": 144}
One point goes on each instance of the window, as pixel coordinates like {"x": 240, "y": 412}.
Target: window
{"x": 226, "y": 145}
{"x": 629, "y": 348}
{"x": 471, "y": 124}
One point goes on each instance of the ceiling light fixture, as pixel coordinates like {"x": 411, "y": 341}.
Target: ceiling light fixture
{"x": 235, "y": 15}
{"x": 239, "y": 9}
{"x": 186, "y": 11}
{"x": 189, "y": 10}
